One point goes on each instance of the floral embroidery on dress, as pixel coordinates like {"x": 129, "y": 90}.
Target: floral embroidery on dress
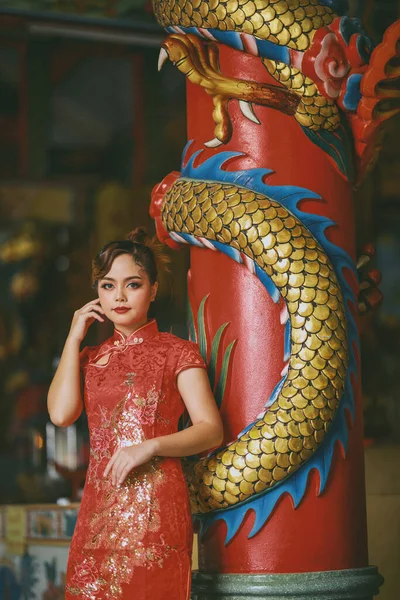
{"x": 128, "y": 512}
{"x": 127, "y": 420}
{"x": 145, "y": 524}
{"x": 102, "y": 441}
{"x": 85, "y": 580}
{"x": 126, "y": 516}
{"x": 129, "y": 379}
{"x": 148, "y": 406}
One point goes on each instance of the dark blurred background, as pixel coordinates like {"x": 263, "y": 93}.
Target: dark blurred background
{"x": 87, "y": 127}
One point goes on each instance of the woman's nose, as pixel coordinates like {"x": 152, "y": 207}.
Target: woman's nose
{"x": 120, "y": 295}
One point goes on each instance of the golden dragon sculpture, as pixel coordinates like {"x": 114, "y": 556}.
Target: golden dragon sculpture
{"x": 330, "y": 79}
{"x": 289, "y": 23}
{"x": 327, "y": 66}
{"x": 295, "y": 424}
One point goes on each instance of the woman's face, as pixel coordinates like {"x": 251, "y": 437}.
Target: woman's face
{"x": 125, "y": 294}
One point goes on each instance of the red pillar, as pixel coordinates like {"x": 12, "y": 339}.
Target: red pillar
{"x": 292, "y": 540}
{"x": 272, "y": 526}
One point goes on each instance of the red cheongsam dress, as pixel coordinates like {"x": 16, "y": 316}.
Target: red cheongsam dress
{"x": 133, "y": 542}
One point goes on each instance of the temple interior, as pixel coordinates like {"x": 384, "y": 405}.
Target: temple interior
{"x": 88, "y": 126}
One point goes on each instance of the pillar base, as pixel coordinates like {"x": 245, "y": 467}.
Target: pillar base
{"x": 351, "y": 584}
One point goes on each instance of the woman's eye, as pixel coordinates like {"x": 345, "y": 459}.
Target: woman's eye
{"x": 134, "y": 285}
{"x": 106, "y": 286}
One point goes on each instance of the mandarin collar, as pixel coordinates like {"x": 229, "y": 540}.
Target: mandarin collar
{"x": 138, "y": 336}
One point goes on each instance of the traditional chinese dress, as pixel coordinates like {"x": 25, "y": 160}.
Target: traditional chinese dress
{"x": 133, "y": 542}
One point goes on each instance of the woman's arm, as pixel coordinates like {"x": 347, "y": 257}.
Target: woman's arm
{"x": 206, "y": 431}
{"x": 64, "y": 399}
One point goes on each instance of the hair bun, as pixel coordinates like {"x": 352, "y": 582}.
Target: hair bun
{"x": 139, "y": 235}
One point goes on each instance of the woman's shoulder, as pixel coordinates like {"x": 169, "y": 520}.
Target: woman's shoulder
{"x": 182, "y": 354}
{"x": 176, "y": 342}
{"x": 89, "y": 352}
{"x": 85, "y": 355}
{"x": 97, "y": 347}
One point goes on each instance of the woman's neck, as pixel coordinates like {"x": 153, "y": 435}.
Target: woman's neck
{"x": 129, "y": 329}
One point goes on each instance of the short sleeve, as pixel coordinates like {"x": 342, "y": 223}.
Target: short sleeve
{"x": 84, "y": 357}
{"x": 189, "y": 357}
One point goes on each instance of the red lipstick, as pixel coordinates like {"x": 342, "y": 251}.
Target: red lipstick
{"x": 121, "y": 310}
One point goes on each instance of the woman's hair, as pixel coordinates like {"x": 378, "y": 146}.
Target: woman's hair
{"x": 145, "y": 251}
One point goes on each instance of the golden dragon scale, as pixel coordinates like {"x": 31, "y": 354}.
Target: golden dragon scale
{"x": 321, "y": 57}
{"x": 254, "y": 222}
{"x": 320, "y": 60}
{"x": 286, "y": 23}
{"x": 291, "y": 23}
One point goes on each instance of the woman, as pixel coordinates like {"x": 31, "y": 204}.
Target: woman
{"x": 133, "y": 537}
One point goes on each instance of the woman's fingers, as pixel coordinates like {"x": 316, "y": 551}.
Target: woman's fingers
{"x": 111, "y": 462}
{"x": 117, "y": 472}
{"x": 123, "y": 472}
{"x": 98, "y": 307}
{"x": 95, "y": 312}
{"x": 119, "y": 466}
{"x": 95, "y": 301}
{"x": 92, "y": 305}
{"x": 121, "y": 469}
{"x": 123, "y": 475}
{"x": 89, "y": 307}
{"x": 94, "y": 315}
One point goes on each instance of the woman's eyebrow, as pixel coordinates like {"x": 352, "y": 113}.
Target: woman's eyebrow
{"x": 126, "y": 278}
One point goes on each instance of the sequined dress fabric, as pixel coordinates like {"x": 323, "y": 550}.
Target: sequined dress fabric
{"x": 133, "y": 542}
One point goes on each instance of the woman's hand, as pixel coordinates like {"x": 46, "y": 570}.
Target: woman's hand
{"x": 84, "y": 317}
{"x": 65, "y": 393}
{"x": 127, "y": 458}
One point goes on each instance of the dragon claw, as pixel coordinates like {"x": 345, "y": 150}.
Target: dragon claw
{"x": 198, "y": 60}
{"x": 162, "y": 58}
{"x": 214, "y": 143}
{"x": 247, "y": 110}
